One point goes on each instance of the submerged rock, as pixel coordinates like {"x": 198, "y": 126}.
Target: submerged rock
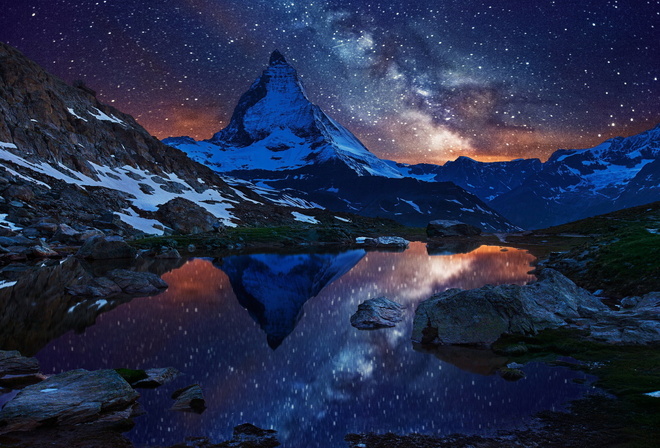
{"x": 189, "y": 399}
{"x": 70, "y": 398}
{"x": 156, "y": 377}
{"x": 247, "y": 435}
{"x": 440, "y": 228}
{"x": 377, "y": 313}
{"x": 480, "y": 316}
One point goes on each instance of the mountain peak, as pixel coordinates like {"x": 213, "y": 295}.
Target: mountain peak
{"x": 277, "y": 58}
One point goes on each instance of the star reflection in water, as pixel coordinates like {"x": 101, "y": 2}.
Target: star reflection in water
{"x": 325, "y": 378}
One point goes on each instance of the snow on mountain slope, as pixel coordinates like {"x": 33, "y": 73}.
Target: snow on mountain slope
{"x": 67, "y": 157}
{"x": 575, "y": 184}
{"x": 276, "y": 127}
{"x": 278, "y": 139}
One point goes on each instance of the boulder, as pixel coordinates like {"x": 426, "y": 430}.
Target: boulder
{"x": 377, "y": 313}
{"x": 440, "y": 228}
{"x": 163, "y": 253}
{"x": 19, "y": 192}
{"x": 103, "y": 248}
{"x": 13, "y": 363}
{"x": 189, "y": 399}
{"x": 480, "y": 316}
{"x": 70, "y": 398}
{"x": 185, "y": 216}
{"x": 395, "y": 242}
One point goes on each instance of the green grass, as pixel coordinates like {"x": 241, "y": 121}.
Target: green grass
{"x": 627, "y": 372}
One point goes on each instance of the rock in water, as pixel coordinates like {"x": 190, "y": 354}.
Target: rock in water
{"x": 377, "y": 313}
{"x": 104, "y": 248}
{"x": 395, "y": 242}
{"x": 480, "y": 316}
{"x": 450, "y": 228}
{"x": 13, "y": 363}
{"x": 157, "y": 377}
{"x": 132, "y": 282}
{"x": 189, "y": 399}
{"x": 70, "y": 398}
{"x": 247, "y": 435}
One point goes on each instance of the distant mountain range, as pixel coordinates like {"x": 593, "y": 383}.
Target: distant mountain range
{"x": 278, "y": 138}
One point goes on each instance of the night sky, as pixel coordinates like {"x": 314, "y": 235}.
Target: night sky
{"x": 422, "y": 81}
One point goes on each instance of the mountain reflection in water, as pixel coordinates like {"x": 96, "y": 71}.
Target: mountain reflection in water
{"x": 326, "y": 378}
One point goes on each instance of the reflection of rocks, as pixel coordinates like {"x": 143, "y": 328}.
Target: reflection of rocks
{"x": 480, "y": 316}
{"x": 377, "y": 313}
{"x": 70, "y": 398}
{"x": 13, "y": 363}
{"x": 451, "y": 246}
{"x": 274, "y": 288}
{"x": 250, "y": 436}
{"x": 98, "y": 435}
{"x": 470, "y": 359}
{"x": 450, "y": 228}
{"x": 40, "y": 307}
{"x": 189, "y": 399}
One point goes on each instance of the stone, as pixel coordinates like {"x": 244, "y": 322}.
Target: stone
{"x": 185, "y": 217}
{"x": 157, "y": 377}
{"x": 377, "y": 313}
{"x": 164, "y": 252}
{"x": 66, "y": 234}
{"x": 18, "y": 240}
{"x": 511, "y": 374}
{"x": 248, "y": 435}
{"x": 42, "y": 252}
{"x": 441, "y": 228}
{"x": 70, "y": 398}
{"x": 104, "y": 248}
{"x": 384, "y": 241}
{"x": 480, "y": 316}
{"x": 13, "y": 363}
{"x": 189, "y": 399}
{"x": 19, "y": 192}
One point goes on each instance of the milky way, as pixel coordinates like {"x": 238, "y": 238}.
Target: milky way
{"x": 420, "y": 82}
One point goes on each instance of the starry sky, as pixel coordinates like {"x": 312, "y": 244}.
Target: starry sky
{"x": 423, "y": 81}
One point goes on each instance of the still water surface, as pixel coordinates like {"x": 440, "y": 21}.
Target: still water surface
{"x": 268, "y": 338}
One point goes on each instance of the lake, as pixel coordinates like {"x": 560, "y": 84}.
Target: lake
{"x": 268, "y": 338}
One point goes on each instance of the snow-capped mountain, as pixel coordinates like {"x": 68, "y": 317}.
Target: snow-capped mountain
{"x": 67, "y": 157}
{"x": 274, "y": 288}
{"x": 578, "y": 183}
{"x": 278, "y": 138}
{"x": 276, "y": 127}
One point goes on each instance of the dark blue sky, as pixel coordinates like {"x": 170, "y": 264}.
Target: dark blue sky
{"x": 416, "y": 81}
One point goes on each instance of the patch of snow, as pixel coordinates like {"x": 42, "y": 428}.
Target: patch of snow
{"x": 342, "y": 219}
{"x": 103, "y": 117}
{"x": 653, "y": 231}
{"x": 454, "y": 200}
{"x": 50, "y": 389}
{"x": 148, "y": 226}
{"x": 655, "y": 394}
{"x": 304, "y": 218}
{"x": 412, "y": 204}
{"x": 8, "y": 145}
{"x": 11, "y": 225}
{"x": 99, "y": 303}
{"x": 72, "y": 112}
{"x": 6, "y": 284}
